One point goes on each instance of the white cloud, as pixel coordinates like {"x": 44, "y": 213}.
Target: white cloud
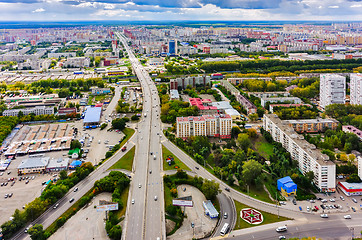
{"x": 356, "y": 5}
{"x": 39, "y": 10}
{"x": 333, "y": 7}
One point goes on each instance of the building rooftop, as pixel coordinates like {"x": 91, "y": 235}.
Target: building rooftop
{"x": 310, "y": 149}
{"x": 352, "y": 129}
{"x": 222, "y": 105}
{"x": 34, "y": 162}
{"x": 92, "y": 114}
{"x": 321, "y": 120}
{"x": 58, "y": 162}
{"x": 352, "y": 186}
{"x": 174, "y": 94}
{"x": 199, "y": 103}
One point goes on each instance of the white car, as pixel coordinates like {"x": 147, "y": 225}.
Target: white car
{"x": 332, "y": 200}
{"x": 308, "y": 208}
{"x": 133, "y": 201}
{"x": 281, "y": 229}
{"x": 139, "y": 185}
{"x": 324, "y": 215}
{"x": 347, "y": 216}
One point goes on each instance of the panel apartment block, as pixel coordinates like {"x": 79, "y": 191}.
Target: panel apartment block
{"x": 332, "y": 89}
{"x": 309, "y": 158}
{"x": 356, "y": 88}
{"x": 205, "y": 125}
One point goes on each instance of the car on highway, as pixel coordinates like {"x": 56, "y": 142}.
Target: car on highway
{"x": 133, "y": 201}
{"x": 227, "y": 189}
{"x": 282, "y": 238}
{"x": 347, "y": 216}
{"x": 150, "y": 171}
{"x": 324, "y": 215}
{"x": 226, "y": 215}
{"x": 197, "y": 168}
{"x": 353, "y": 209}
{"x": 139, "y": 185}
{"x": 56, "y": 205}
{"x": 75, "y": 189}
{"x": 155, "y": 198}
{"x": 71, "y": 200}
{"x": 10, "y": 195}
{"x": 124, "y": 148}
{"x": 281, "y": 229}
{"x": 27, "y": 229}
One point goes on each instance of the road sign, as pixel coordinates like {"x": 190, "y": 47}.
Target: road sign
{"x": 106, "y": 206}
{"x": 184, "y": 201}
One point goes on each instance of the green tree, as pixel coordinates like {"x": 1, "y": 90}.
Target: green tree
{"x": 118, "y": 123}
{"x": 63, "y": 175}
{"x": 251, "y": 170}
{"x": 244, "y": 141}
{"x": 37, "y": 233}
{"x": 210, "y": 189}
{"x": 253, "y": 117}
{"x": 75, "y": 144}
{"x": 353, "y": 178}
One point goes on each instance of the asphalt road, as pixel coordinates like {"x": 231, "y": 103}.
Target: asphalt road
{"x": 226, "y": 206}
{"x": 145, "y": 218}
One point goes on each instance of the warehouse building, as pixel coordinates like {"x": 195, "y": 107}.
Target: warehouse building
{"x": 92, "y": 117}
{"x": 33, "y": 164}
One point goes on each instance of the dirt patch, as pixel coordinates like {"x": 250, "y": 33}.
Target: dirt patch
{"x": 170, "y": 225}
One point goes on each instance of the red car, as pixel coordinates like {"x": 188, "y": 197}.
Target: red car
{"x": 316, "y": 208}
{"x": 124, "y": 148}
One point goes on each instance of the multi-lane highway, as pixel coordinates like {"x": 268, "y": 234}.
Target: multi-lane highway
{"x": 145, "y": 217}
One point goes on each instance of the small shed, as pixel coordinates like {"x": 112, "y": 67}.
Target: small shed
{"x": 210, "y": 209}
{"x": 287, "y": 187}
{"x": 74, "y": 153}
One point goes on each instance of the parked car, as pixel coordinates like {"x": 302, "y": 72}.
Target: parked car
{"x": 347, "y": 216}
{"x": 354, "y": 200}
{"x": 324, "y": 215}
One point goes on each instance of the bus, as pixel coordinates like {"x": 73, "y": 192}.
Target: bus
{"x": 224, "y": 229}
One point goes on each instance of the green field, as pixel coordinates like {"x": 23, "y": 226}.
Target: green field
{"x": 176, "y": 165}
{"x": 126, "y": 161}
{"x": 124, "y": 198}
{"x": 268, "y": 217}
{"x": 260, "y": 194}
{"x": 264, "y": 148}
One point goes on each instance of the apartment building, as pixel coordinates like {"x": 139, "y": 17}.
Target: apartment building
{"x": 332, "y": 89}
{"x": 313, "y": 125}
{"x": 192, "y": 81}
{"x": 356, "y": 88}
{"x": 39, "y": 110}
{"x": 249, "y": 106}
{"x": 294, "y": 100}
{"x": 308, "y": 156}
{"x": 352, "y": 129}
{"x": 205, "y": 125}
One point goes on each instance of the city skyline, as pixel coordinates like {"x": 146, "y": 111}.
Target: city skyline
{"x": 210, "y": 10}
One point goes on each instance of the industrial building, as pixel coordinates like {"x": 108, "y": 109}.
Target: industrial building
{"x": 332, "y": 89}
{"x": 92, "y": 117}
{"x": 40, "y": 110}
{"x": 309, "y": 158}
{"x": 206, "y": 125}
{"x": 57, "y": 164}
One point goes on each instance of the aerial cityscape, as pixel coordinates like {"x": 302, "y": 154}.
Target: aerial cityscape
{"x": 180, "y": 120}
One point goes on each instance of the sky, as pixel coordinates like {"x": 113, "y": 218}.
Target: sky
{"x": 175, "y": 10}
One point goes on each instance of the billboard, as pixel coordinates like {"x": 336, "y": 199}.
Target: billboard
{"x": 106, "y": 206}
{"x": 184, "y": 201}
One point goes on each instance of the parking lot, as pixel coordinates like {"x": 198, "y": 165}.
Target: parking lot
{"x": 78, "y": 227}
{"x": 22, "y": 192}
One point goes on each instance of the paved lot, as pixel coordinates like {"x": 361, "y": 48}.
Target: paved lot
{"x": 86, "y": 224}
{"x": 196, "y": 214}
{"x": 22, "y": 193}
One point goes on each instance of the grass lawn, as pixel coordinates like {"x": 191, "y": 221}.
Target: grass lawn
{"x": 124, "y": 198}
{"x": 165, "y": 154}
{"x": 126, "y": 161}
{"x": 264, "y": 148}
{"x": 90, "y": 100}
{"x": 260, "y": 194}
{"x": 268, "y": 217}
{"x": 98, "y": 98}
{"x": 168, "y": 197}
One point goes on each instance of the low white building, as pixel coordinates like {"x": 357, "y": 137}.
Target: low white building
{"x": 76, "y": 62}
{"x": 40, "y": 110}
{"x": 293, "y": 100}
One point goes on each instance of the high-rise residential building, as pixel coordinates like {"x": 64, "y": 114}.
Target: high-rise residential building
{"x": 356, "y": 88}
{"x": 309, "y": 158}
{"x": 205, "y": 125}
{"x": 332, "y": 89}
{"x": 172, "y": 47}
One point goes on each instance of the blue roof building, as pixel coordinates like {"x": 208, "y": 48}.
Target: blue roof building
{"x": 92, "y": 116}
{"x": 287, "y": 187}
{"x": 75, "y": 164}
